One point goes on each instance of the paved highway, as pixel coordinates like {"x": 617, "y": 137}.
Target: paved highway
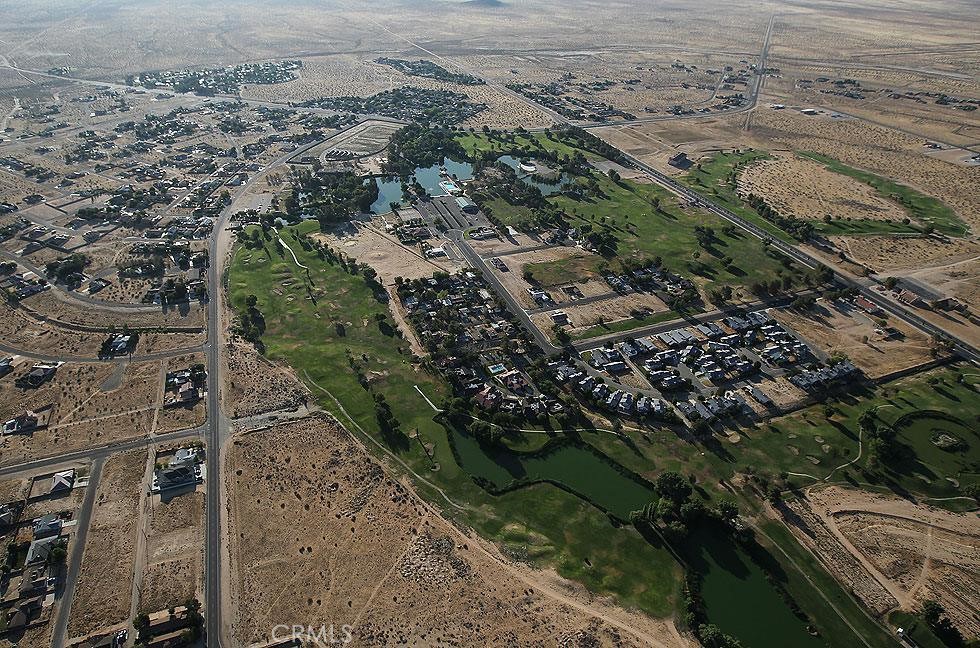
{"x": 216, "y": 427}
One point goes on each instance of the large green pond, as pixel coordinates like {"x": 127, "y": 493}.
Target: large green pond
{"x": 578, "y": 469}
{"x": 737, "y": 595}
{"x": 739, "y": 599}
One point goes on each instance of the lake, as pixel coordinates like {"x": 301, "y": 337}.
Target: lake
{"x": 390, "y": 189}
{"x": 545, "y": 188}
{"x": 577, "y": 468}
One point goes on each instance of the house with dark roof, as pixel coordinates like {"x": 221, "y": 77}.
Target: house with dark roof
{"x": 63, "y": 481}
{"x": 46, "y": 525}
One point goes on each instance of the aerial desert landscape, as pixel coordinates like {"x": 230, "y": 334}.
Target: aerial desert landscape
{"x": 489, "y": 322}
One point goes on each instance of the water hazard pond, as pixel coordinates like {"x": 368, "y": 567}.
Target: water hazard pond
{"x": 390, "y": 189}
{"x": 738, "y": 597}
{"x": 579, "y": 469}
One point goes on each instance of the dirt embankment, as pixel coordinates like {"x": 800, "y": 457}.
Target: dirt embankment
{"x": 894, "y": 552}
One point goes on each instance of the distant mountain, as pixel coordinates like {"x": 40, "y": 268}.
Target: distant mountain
{"x": 489, "y": 4}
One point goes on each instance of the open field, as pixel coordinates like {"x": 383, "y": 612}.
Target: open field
{"x": 925, "y": 209}
{"x": 87, "y": 404}
{"x": 367, "y": 242}
{"x": 879, "y": 151}
{"x": 802, "y": 187}
{"x": 841, "y": 328}
{"x": 637, "y": 307}
{"x": 174, "y": 553}
{"x": 102, "y": 597}
{"x": 381, "y": 553}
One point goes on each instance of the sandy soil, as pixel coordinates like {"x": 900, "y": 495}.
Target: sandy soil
{"x": 367, "y": 243}
{"x": 609, "y": 310}
{"x": 951, "y": 266}
{"x": 102, "y": 596}
{"x": 655, "y": 142}
{"x": 134, "y": 390}
{"x": 253, "y": 385}
{"x": 881, "y": 150}
{"x": 27, "y": 332}
{"x": 174, "y": 551}
{"x": 920, "y": 551}
{"x": 840, "y": 328}
{"x": 905, "y": 254}
{"x": 321, "y": 534}
{"x": 784, "y": 394}
{"x": 806, "y": 189}
{"x": 810, "y": 529}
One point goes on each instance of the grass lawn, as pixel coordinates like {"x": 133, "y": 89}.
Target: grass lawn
{"x": 916, "y": 629}
{"x": 519, "y": 216}
{"x": 646, "y": 221}
{"x": 920, "y": 206}
{"x": 561, "y": 272}
{"x": 542, "y": 524}
{"x": 927, "y": 469}
{"x": 624, "y": 325}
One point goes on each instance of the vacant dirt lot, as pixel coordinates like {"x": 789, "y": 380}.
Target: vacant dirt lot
{"x": 609, "y": 310}
{"x": 174, "y": 551}
{"x": 102, "y": 596}
{"x": 840, "y": 327}
{"x": 517, "y": 285}
{"x": 321, "y": 534}
{"x": 907, "y": 253}
{"x": 87, "y": 405}
{"x": 366, "y": 242}
{"x": 919, "y": 551}
{"x": 806, "y": 189}
{"x": 253, "y": 385}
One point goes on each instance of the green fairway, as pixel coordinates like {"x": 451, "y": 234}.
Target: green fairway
{"x": 646, "y": 222}
{"x": 638, "y": 221}
{"x": 916, "y": 629}
{"x": 818, "y": 439}
{"x": 924, "y": 208}
{"x": 541, "y": 523}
